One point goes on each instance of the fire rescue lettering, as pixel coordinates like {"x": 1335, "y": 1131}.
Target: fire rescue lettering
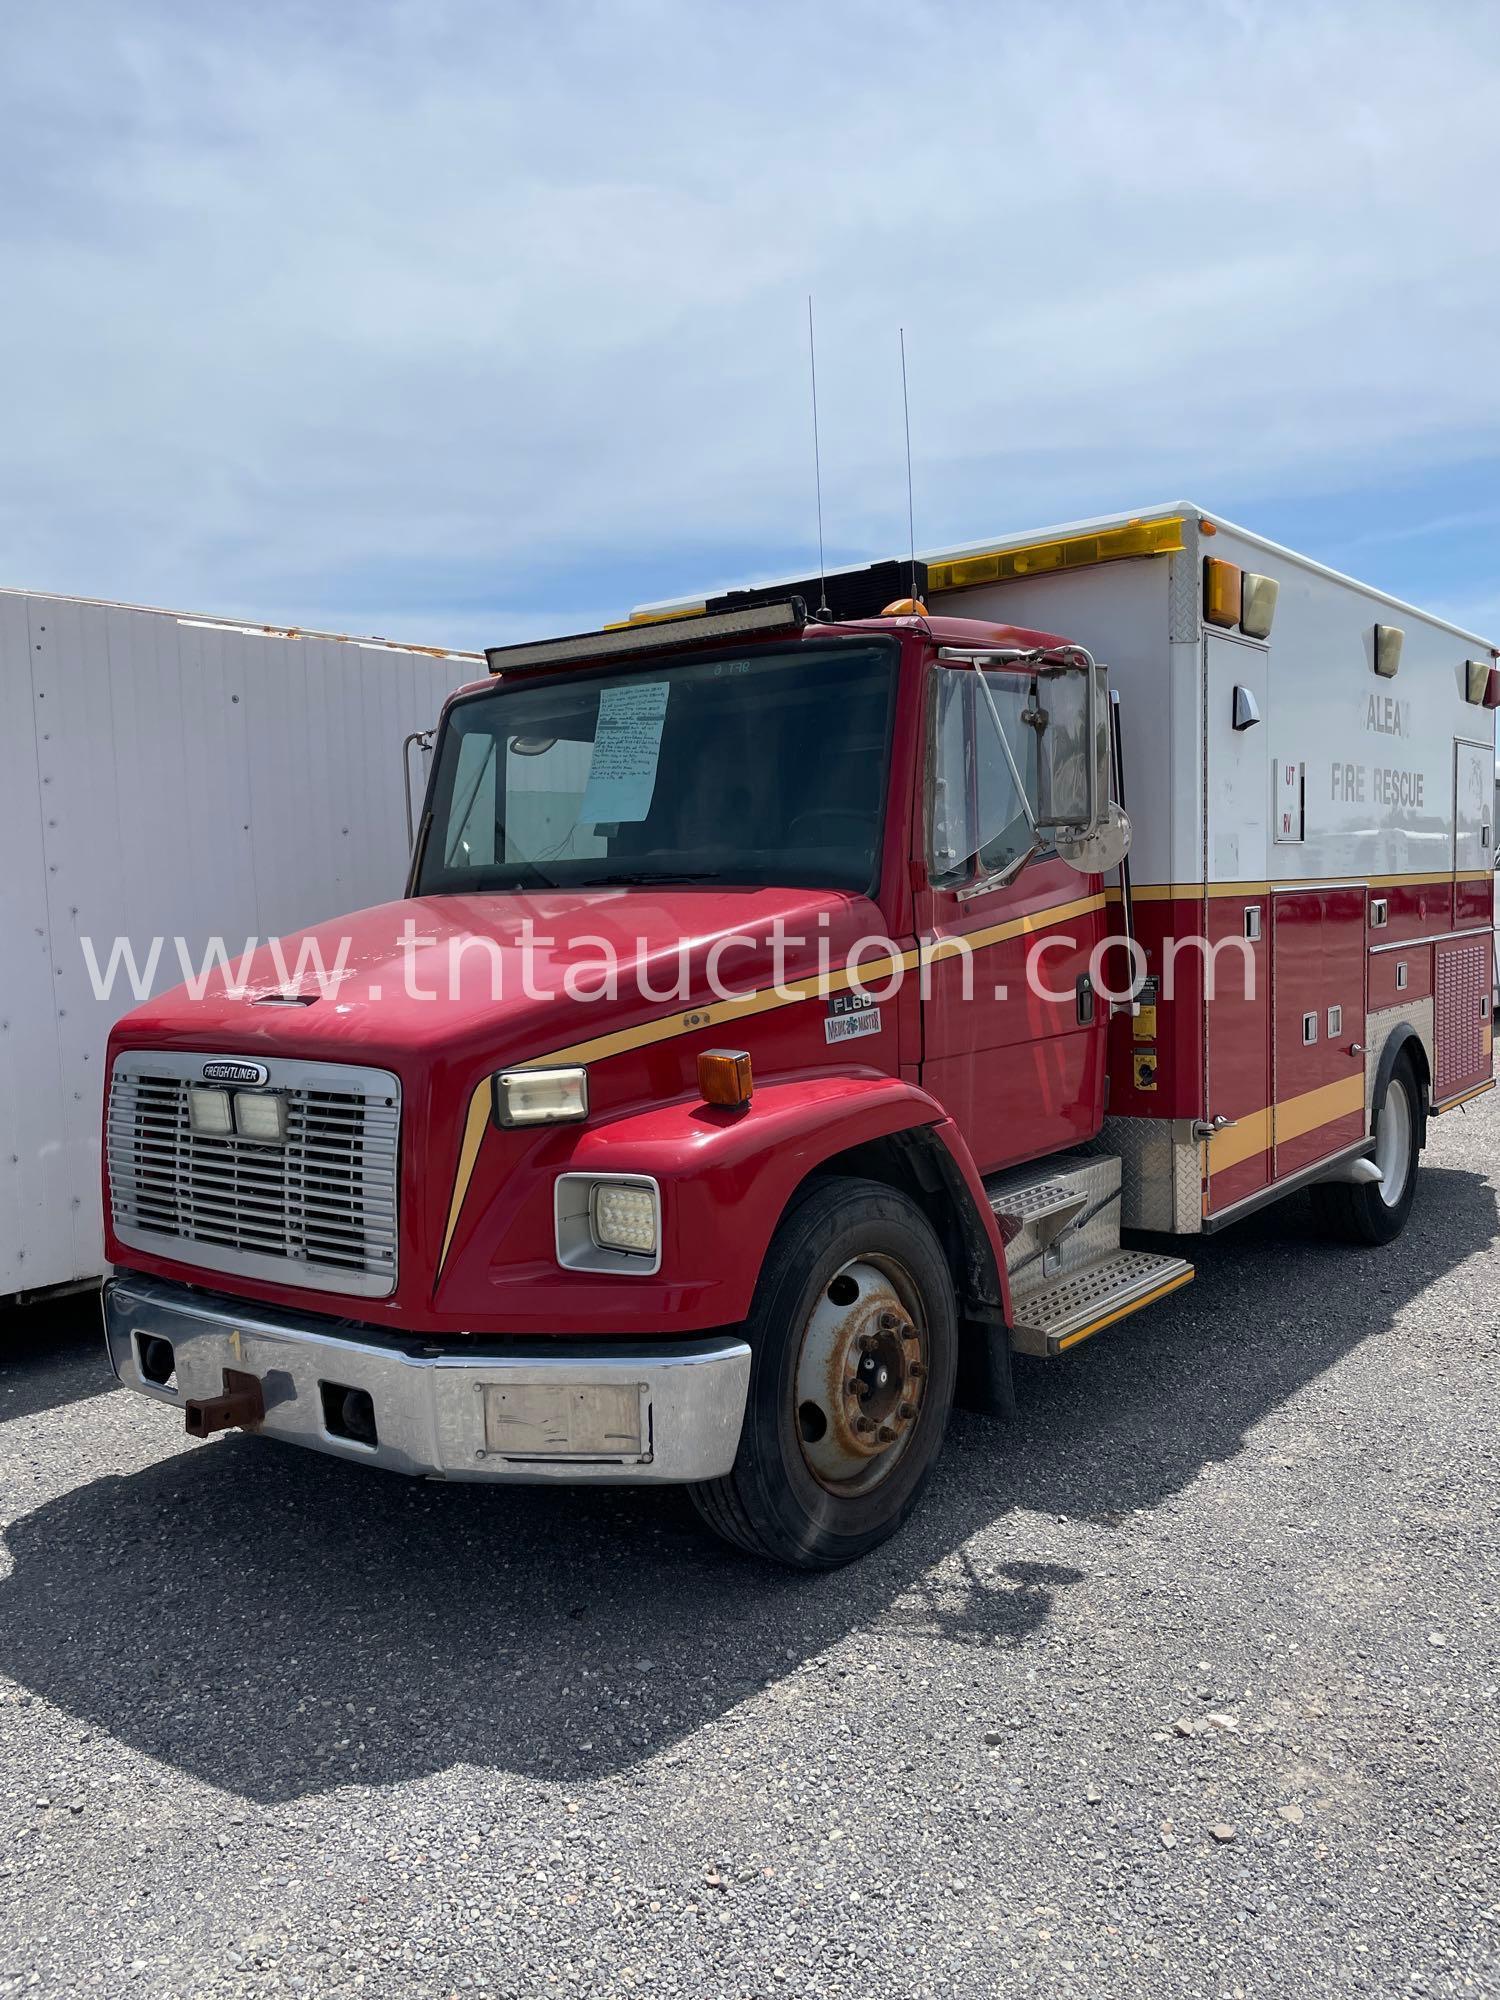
{"x": 1381, "y": 786}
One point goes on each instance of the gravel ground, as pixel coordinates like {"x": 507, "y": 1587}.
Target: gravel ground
{"x": 1186, "y": 1683}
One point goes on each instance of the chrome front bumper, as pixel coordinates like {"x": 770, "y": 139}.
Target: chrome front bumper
{"x": 620, "y": 1412}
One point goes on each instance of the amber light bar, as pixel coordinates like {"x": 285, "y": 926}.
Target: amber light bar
{"x": 1135, "y": 538}
{"x": 659, "y": 636}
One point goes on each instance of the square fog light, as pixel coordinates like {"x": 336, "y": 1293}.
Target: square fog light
{"x": 262, "y": 1118}
{"x": 623, "y": 1216}
{"x": 209, "y": 1112}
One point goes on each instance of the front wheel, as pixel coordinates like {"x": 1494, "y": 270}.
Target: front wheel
{"x": 1376, "y": 1211}
{"x": 854, "y": 1343}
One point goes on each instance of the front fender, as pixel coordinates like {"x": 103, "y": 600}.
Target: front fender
{"x": 725, "y": 1178}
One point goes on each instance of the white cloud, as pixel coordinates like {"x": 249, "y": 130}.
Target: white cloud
{"x": 411, "y": 314}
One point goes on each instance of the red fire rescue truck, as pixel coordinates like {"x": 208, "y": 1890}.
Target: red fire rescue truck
{"x": 780, "y": 1025}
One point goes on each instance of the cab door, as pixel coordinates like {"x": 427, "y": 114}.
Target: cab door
{"x": 1012, "y": 1031}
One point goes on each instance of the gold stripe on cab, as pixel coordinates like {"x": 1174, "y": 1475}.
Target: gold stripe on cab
{"x": 468, "y": 1153}
{"x": 719, "y": 1013}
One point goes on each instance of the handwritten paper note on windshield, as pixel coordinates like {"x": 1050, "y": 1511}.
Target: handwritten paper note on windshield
{"x": 627, "y": 743}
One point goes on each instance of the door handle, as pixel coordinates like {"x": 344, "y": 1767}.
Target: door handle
{"x": 1356, "y": 1048}
{"x": 1206, "y": 1128}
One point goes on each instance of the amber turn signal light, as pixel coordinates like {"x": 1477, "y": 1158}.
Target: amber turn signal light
{"x": 1222, "y": 583}
{"x": 724, "y": 1077}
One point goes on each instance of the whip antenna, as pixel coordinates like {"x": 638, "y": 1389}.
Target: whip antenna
{"x": 911, "y": 519}
{"x": 812, "y": 364}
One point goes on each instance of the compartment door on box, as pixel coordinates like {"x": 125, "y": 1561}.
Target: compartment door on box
{"x": 1237, "y": 1005}
{"x": 1239, "y": 796}
{"x": 1318, "y": 1009}
{"x": 1461, "y": 1031}
{"x": 1473, "y": 834}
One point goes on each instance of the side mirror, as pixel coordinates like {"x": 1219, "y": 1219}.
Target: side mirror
{"x": 1073, "y": 765}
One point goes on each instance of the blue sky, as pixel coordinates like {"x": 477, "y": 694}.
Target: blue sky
{"x": 466, "y": 322}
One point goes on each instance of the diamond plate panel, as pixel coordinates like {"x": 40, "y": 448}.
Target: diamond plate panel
{"x": 1378, "y": 1029}
{"x": 1161, "y": 1173}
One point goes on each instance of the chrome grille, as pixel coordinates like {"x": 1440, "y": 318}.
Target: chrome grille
{"x": 319, "y": 1210}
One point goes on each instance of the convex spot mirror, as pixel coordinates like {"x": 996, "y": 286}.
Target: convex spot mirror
{"x": 1097, "y": 852}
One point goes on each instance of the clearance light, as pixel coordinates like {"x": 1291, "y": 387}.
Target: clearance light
{"x": 724, "y": 1077}
{"x": 262, "y": 1118}
{"x": 1388, "y": 640}
{"x": 1136, "y": 538}
{"x": 905, "y": 607}
{"x": 540, "y": 1096}
{"x": 657, "y": 636}
{"x": 1222, "y": 583}
{"x": 209, "y": 1113}
{"x": 1258, "y": 605}
{"x": 623, "y": 1216}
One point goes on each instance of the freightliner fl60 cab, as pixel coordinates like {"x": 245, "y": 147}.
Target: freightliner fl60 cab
{"x": 781, "y": 1024}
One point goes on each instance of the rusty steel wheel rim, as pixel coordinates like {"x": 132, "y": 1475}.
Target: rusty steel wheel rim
{"x": 863, "y": 1367}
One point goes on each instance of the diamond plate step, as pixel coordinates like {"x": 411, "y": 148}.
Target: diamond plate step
{"x": 1056, "y": 1216}
{"x": 1058, "y": 1315}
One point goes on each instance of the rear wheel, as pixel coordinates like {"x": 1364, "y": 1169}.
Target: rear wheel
{"x": 854, "y": 1341}
{"x": 1376, "y": 1211}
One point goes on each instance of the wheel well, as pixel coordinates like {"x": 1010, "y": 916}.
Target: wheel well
{"x": 920, "y": 1165}
{"x": 1405, "y": 1040}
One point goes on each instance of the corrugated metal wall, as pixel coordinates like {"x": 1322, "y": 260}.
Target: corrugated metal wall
{"x": 163, "y": 776}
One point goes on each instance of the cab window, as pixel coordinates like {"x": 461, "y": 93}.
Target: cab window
{"x": 984, "y": 799}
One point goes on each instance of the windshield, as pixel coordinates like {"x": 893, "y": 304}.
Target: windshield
{"x": 759, "y": 768}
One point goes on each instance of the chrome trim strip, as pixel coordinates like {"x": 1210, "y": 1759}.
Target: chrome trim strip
{"x": 429, "y": 1397}
{"x": 1304, "y": 1177}
{"x": 1437, "y": 937}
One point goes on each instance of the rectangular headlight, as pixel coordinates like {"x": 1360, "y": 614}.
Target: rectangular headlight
{"x": 623, "y": 1216}
{"x": 209, "y": 1112}
{"x": 260, "y": 1117}
{"x": 540, "y": 1096}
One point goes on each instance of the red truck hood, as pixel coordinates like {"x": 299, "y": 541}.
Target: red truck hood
{"x": 457, "y": 990}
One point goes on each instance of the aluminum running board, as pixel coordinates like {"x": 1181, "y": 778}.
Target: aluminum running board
{"x": 1057, "y": 1216}
{"x": 1058, "y": 1315}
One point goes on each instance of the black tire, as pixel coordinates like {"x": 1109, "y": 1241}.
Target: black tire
{"x": 1376, "y": 1212}
{"x": 772, "y": 1503}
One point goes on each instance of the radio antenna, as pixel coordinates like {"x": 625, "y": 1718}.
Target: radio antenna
{"x": 823, "y": 611}
{"x": 911, "y": 519}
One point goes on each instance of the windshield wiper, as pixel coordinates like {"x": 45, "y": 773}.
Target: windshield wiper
{"x": 641, "y": 878}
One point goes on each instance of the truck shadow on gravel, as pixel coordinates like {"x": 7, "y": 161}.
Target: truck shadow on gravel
{"x": 51, "y": 1353}
{"x": 278, "y": 1624}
